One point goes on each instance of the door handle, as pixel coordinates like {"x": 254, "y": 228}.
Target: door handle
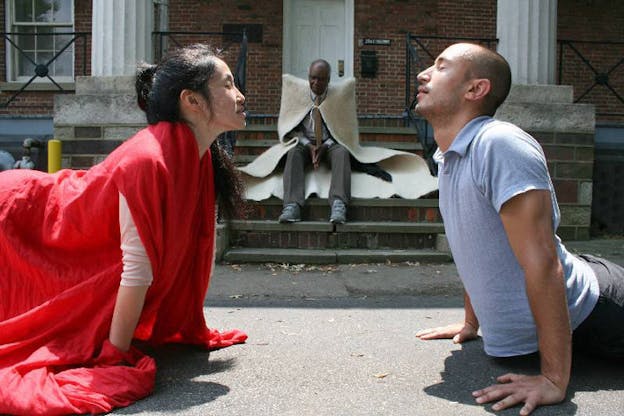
{"x": 340, "y": 67}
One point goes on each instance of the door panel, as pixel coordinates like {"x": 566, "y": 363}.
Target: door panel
{"x": 317, "y": 31}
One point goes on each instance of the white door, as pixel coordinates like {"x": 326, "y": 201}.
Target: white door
{"x": 318, "y": 29}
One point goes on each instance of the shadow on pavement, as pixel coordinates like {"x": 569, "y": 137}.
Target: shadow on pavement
{"x": 362, "y": 302}
{"x": 181, "y": 380}
{"x": 470, "y": 369}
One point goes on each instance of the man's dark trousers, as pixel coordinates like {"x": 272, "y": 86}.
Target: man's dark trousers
{"x": 298, "y": 159}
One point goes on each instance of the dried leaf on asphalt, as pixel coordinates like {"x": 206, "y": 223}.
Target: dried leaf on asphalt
{"x": 382, "y": 375}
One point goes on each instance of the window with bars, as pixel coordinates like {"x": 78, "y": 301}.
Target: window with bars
{"x": 40, "y": 32}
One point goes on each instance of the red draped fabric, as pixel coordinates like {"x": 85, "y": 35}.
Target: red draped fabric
{"x": 60, "y": 266}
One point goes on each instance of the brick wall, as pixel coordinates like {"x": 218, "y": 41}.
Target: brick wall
{"x": 373, "y": 18}
{"x": 264, "y": 67}
{"x": 82, "y": 23}
{"x": 570, "y": 162}
{"x": 387, "y": 19}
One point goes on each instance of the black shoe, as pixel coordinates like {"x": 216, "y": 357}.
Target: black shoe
{"x": 338, "y": 212}
{"x": 290, "y": 213}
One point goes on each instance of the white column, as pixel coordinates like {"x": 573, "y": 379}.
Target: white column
{"x": 527, "y": 38}
{"x": 121, "y": 36}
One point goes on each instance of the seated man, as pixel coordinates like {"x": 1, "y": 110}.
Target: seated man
{"x": 315, "y": 145}
{"x": 355, "y": 171}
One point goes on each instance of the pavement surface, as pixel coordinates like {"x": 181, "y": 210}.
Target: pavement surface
{"x": 339, "y": 340}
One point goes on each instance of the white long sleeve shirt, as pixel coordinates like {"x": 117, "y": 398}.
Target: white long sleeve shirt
{"x": 137, "y": 269}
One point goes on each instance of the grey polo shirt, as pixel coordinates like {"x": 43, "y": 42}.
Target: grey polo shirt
{"x": 488, "y": 163}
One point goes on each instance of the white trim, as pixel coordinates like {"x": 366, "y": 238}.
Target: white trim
{"x": 286, "y": 35}
{"x": 349, "y": 35}
{"x": 349, "y": 24}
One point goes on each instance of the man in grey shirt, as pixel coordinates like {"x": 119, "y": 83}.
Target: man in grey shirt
{"x": 523, "y": 289}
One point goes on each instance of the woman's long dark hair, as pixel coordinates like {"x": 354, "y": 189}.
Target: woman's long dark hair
{"x": 158, "y": 92}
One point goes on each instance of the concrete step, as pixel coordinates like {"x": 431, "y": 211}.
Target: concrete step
{"x": 332, "y": 256}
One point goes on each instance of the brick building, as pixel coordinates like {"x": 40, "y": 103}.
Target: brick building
{"x": 599, "y": 21}
{"x": 587, "y": 38}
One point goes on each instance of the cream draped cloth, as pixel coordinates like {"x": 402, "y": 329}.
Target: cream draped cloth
{"x": 411, "y": 178}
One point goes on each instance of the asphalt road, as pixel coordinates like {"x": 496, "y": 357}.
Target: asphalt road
{"x": 339, "y": 340}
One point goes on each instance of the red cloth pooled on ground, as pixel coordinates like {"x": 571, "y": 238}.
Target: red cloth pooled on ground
{"x": 60, "y": 267}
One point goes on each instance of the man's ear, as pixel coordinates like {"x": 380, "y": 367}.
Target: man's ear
{"x": 479, "y": 88}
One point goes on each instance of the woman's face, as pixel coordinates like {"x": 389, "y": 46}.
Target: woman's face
{"x": 227, "y": 104}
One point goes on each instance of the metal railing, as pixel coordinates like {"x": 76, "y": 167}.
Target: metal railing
{"x": 164, "y": 40}
{"x": 594, "y": 69}
{"x": 42, "y": 69}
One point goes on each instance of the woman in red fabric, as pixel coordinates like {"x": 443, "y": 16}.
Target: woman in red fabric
{"x": 90, "y": 260}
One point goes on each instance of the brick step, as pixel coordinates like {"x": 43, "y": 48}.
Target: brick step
{"x": 378, "y": 209}
{"x": 256, "y": 138}
{"x": 324, "y": 235}
{"x": 332, "y": 256}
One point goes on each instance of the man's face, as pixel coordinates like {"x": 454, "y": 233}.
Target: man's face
{"x": 318, "y": 78}
{"x": 442, "y": 85}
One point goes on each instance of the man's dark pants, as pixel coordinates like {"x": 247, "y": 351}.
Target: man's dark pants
{"x": 602, "y": 332}
{"x": 298, "y": 159}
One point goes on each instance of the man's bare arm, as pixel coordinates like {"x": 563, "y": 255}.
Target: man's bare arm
{"x": 527, "y": 219}
{"x": 459, "y": 332}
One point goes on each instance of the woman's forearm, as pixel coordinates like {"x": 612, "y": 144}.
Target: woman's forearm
{"x": 126, "y": 314}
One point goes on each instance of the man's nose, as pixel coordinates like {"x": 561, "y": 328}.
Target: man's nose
{"x": 239, "y": 95}
{"x": 424, "y": 75}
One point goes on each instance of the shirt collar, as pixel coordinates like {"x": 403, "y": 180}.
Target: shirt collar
{"x": 466, "y": 135}
{"x": 313, "y": 96}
